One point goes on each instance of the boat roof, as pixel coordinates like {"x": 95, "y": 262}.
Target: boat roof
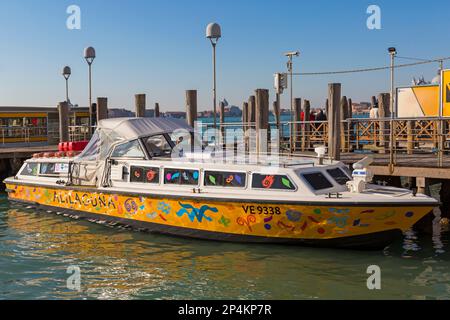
{"x": 133, "y": 128}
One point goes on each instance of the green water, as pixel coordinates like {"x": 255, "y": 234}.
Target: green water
{"x": 36, "y": 248}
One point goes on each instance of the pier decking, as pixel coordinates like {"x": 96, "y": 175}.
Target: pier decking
{"x": 24, "y": 152}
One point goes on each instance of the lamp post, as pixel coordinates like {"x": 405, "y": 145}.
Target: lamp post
{"x": 213, "y": 33}
{"x": 89, "y": 56}
{"x": 290, "y": 68}
{"x": 66, "y": 74}
{"x": 392, "y": 52}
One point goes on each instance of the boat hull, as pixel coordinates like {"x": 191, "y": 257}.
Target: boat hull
{"x": 313, "y": 224}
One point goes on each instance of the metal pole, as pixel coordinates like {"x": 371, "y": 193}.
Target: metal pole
{"x": 90, "y": 99}
{"x": 214, "y": 84}
{"x": 67, "y": 90}
{"x": 392, "y": 86}
{"x": 292, "y": 104}
{"x": 392, "y": 128}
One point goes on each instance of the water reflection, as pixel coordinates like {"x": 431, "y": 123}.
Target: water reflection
{"x": 36, "y": 248}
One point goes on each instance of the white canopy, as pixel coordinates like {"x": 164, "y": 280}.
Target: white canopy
{"x": 133, "y": 128}
{"x": 111, "y": 131}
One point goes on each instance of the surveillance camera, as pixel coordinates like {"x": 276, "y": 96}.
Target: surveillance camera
{"x": 292, "y": 53}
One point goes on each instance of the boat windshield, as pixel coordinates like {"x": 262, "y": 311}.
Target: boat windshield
{"x": 158, "y": 145}
{"x": 178, "y": 143}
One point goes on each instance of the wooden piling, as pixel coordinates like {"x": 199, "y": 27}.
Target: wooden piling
{"x": 334, "y": 124}
{"x": 296, "y": 136}
{"x": 245, "y": 125}
{"x": 373, "y": 102}
{"x": 306, "y": 132}
{"x": 384, "y": 113}
{"x": 191, "y": 107}
{"x": 102, "y": 108}
{"x": 350, "y": 108}
{"x": 423, "y": 185}
{"x": 410, "y": 136}
{"x": 244, "y": 116}
{"x": 261, "y": 119}
{"x": 276, "y": 113}
{"x": 63, "y": 110}
{"x": 139, "y": 100}
{"x": 251, "y": 111}
{"x": 156, "y": 114}
{"x": 343, "y": 117}
{"x": 222, "y": 122}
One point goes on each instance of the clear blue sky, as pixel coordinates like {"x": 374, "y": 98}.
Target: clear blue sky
{"x": 159, "y": 48}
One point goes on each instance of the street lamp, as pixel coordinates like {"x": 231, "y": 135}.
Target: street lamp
{"x": 66, "y": 74}
{"x": 392, "y": 52}
{"x": 89, "y": 56}
{"x": 290, "y": 68}
{"x": 213, "y": 33}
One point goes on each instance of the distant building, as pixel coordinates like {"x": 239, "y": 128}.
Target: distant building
{"x": 233, "y": 111}
{"x": 175, "y": 114}
{"x": 120, "y": 113}
{"x": 360, "y": 108}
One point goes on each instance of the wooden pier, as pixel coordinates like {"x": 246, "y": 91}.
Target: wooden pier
{"x": 417, "y": 149}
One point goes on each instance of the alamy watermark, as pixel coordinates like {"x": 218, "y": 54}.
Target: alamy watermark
{"x": 73, "y": 21}
{"x": 74, "y": 280}
{"x": 231, "y": 144}
{"x": 374, "y": 280}
{"x": 374, "y": 20}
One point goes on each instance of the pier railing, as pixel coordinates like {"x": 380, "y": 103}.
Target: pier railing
{"x": 409, "y": 136}
{"x": 22, "y": 134}
{"x": 79, "y": 133}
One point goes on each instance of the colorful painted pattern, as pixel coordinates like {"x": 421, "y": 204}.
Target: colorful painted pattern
{"x": 287, "y": 221}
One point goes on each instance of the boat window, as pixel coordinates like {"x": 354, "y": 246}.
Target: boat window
{"x": 48, "y": 169}
{"x": 317, "y": 180}
{"x": 144, "y": 174}
{"x": 130, "y": 149}
{"x": 158, "y": 146}
{"x": 338, "y": 175}
{"x": 181, "y": 176}
{"x": 225, "y": 179}
{"x": 30, "y": 169}
{"x": 278, "y": 182}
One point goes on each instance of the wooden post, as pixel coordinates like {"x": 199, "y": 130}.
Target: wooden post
{"x": 343, "y": 117}
{"x": 307, "y": 126}
{"x": 139, "y": 100}
{"x": 63, "y": 110}
{"x": 244, "y": 116}
{"x": 102, "y": 109}
{"x": 297, "y": 126}
{"x": 245, "y": 124}
{"x": 251, "y": 111}
{"x": 334, "y": 124}
{"x": 423, "y": 185}
{"x": 262, "y": 119}
{"x": 384, "y": 113}
{"x": 276, "y": 113}
{"x": 350, "y": 108}
{"x": 191, "y": 107}
{"x": 156, "y": 114}
{"x": 222, "y": 123}
{"x": 410, "y": 136}
{"x": 327, "y": 107}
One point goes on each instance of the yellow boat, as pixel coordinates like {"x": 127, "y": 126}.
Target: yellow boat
{"x": 148, "y": 174}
